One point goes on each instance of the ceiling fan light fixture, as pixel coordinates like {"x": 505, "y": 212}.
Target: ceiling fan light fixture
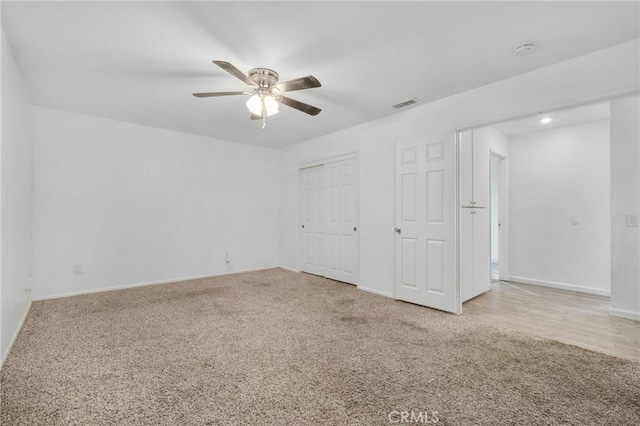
{"x": 267, "y": 91}
{"x": 255, "y": 105}
{"x": 256, "y": 102}
{"x": 270, "y": 105}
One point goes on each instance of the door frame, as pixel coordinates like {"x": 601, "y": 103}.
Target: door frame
{"x": 546, "y": 109}
{"x": 351, "y": 155}
{"x": 503, "y": 215}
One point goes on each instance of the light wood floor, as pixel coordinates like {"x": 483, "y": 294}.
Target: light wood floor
{"x": 575, "y": 318}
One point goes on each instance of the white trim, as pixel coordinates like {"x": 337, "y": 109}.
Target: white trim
{"x": 561, "y": 286}
{"x": 621, "y": 313}
{"x": 126, "y": 286}
{"x": 327, "y": 160}
{"x": 378, "y": 292}
{"x": 456, "y": 240}
{"x": 15, "y": 335}
{"x": 559, "y": 106}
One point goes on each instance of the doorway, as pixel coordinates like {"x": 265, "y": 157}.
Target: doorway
{"x": 549, "y": 221}
{"x": 498, "y": 216}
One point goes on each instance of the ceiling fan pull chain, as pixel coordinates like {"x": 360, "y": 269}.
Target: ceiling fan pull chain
{"x": 264, "y": 114}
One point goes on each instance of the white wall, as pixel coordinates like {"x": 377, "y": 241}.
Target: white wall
{"x": 602, "y": 73}
{"x": 625, "y": 199}
{"x": 553, "y": 175}
{"x": 135, "y": 204}
{"x": 15, "y": 204}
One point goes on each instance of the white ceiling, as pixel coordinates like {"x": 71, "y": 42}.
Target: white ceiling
{"x": 567, "y": 117}
{"x": 140, "y": 61}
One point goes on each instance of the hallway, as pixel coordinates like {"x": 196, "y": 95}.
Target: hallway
{"x": 578, "y": 319}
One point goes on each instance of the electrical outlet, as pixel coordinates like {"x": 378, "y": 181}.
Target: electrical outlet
{"x": 78, "y": 270}
{"x": 227, "y": 259}
{"x": 632, "y": 220}
{"x": 575, "y": 220}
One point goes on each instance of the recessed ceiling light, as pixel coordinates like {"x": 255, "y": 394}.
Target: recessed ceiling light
{"x": 545, "y": 120}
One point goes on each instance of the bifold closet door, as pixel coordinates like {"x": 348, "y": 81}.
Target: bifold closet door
{"x": 329, "y": 220}
{"x": 313, "y": 215}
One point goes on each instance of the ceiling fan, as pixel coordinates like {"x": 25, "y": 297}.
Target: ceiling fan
{"x": 266, "y": 92}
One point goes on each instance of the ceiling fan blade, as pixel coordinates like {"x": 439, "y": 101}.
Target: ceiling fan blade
{"x": 235, "y": 72}
{"x": 256, "y": 117}
{"x": 215, "y": 94}
{"x": 311, "y": 110}
{"x": 307, "y": 82}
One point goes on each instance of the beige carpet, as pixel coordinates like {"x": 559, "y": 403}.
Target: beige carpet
{"x": 279, "y": 348}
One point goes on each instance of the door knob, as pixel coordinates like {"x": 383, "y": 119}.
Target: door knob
{"x": 355, "y": 228}
{"x": 398, "y": 231}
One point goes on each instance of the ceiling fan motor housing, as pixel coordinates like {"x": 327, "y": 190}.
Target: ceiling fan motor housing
{"x": 264, "y": 78}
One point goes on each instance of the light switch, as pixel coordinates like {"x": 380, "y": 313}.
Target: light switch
{"x": 575, "y": 220}
{"x": 632, "y": 220}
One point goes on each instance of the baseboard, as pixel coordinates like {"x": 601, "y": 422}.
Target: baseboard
{"x": 286, "y": 268}
{"x": 624, "y": 314}
{"x": 560, "y": 286}
{"x": 374, "y": 291}
{"x": 15, "y": 335}
{"x": 126, "y": 286}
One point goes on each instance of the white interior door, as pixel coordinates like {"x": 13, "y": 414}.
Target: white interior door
{"x": 425, "y": 222}
{"x": 475, "y": 221}
{"x": 475, "y": 253}
{"x": 329, "y": 220}
{"x": 313, "y": 212}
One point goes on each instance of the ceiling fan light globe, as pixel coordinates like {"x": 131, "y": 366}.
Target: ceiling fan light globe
{"x": 255, "y": 105}
{"x": 270, "y": 105}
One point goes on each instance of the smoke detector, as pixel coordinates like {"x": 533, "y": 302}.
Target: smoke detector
{"x": 524, "y": 49}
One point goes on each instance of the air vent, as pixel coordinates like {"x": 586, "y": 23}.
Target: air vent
{"x": 408, "y": 102}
